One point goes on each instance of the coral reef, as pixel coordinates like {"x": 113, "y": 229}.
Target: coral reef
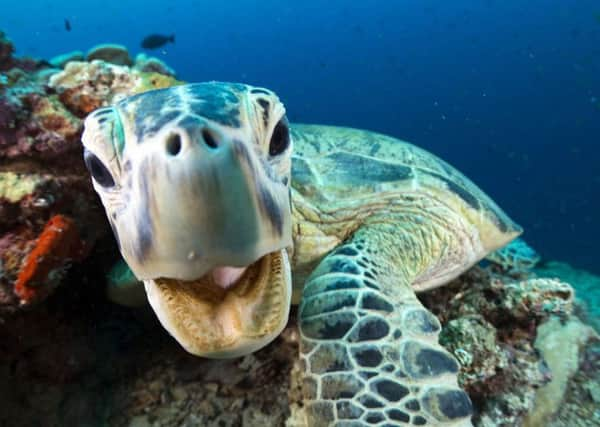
{"x": 43, "y": 182}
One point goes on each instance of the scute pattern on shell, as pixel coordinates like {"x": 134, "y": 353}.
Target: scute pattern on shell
{"x": 380, "y": 163}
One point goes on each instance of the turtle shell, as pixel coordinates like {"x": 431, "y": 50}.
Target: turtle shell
{"x": 336, "y": 168}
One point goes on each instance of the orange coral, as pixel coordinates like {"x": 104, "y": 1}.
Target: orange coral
{"x": 58, "y": 243}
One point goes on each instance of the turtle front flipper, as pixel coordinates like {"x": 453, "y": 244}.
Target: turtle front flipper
{"x": 369, "y": 349}
{"x": 123, "y": 287}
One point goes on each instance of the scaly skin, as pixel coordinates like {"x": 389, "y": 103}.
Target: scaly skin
{"x": 369, "y": 348}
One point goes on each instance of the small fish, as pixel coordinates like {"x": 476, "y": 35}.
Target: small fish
{"x": 154, "y": 41}
{"x": 67, "y": 25}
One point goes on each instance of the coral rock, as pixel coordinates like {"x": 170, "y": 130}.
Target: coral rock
{"x": 586, "y": 284}
{"x": 15, "y": 186}
{"x": 86, "y": 86}
{"x": 147, "y": 63}
{"x": 60, "y": 61}
{"x": 560, "y": 344}
{"x": 490, "y": 323}
{"x": 6, "y": 51}
{"x": 473, "y": 342}
{"x": 32, "y": 121}
{"x": 114, "y": 53}
{"x": 539, "y": 297}
{"x": 516, "y": 257}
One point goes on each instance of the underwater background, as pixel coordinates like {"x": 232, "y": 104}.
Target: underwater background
{"x": 506, "y": 91}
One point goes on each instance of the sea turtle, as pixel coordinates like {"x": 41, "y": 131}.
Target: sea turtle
{"x": 228, "y": 213}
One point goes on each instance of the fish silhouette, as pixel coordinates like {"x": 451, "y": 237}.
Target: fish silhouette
{"x": 154, "y": 41}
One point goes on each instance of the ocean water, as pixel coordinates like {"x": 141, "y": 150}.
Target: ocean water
{"x": 507, "y": 91}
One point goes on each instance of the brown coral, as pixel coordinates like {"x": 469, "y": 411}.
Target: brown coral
{"x": 86, "y": 86}
{"x": 490, "y": 323}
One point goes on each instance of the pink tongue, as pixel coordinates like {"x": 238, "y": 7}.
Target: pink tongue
{"x": 226, "y": 276}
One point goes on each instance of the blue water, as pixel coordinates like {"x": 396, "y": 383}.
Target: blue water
{"x": 508, "y": 91}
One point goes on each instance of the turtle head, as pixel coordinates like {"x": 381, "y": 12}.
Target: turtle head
{"x": 195, "y": 183}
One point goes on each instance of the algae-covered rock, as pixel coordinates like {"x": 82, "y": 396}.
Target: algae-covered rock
{"x": 113, "y": 53}
{"x": 489, "y": 323}
{"x": 586, "y": 284}
{"x": 579, "y": 407}
{"x": 15, "y": 186}
{"x": 500, "y": 376}
{"x": 86, "y": 86}
{"x": 8, "y": 61}
{"x": 473, "y": 342}
{"x": 539, "y": 297}
{"x": 560, "y": 344}
{"x": 152, "y": 64}
{"x": 502, "y": 300}
{"x": 6, "y": 50}
{"x": 34, "y": 121}
{"x": 516, "y": 257}
{"x": 61, "y": 60}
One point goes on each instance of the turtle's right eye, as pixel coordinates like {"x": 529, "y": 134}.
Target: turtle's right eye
{"x": 99, "y": 172}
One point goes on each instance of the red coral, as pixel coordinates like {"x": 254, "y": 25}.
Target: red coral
{"x": 58, "y": 243}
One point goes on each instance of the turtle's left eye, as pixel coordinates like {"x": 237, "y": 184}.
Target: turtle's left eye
{"x": 280, "y": 139}
{"x": 98, "y": 171}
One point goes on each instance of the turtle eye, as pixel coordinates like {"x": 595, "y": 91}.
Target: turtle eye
{"x": 99, "y": 172}
{"x": 280, "y": 139}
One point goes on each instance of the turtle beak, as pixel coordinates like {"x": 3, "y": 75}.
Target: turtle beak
{"x": 214, "y": 321}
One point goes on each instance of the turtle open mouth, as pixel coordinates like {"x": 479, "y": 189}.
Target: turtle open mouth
{"x": 226, "y": 313}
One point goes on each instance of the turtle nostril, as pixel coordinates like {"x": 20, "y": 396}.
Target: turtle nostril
{"x": 209, "y": 138}
{"x": 174, "y": 144}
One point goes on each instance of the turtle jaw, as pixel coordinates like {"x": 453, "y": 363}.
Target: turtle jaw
{"x": 213, "y": 321}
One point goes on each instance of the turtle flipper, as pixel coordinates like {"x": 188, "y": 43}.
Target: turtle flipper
{"x": 123, "y": 287}
{"x": 370, "y": 352}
